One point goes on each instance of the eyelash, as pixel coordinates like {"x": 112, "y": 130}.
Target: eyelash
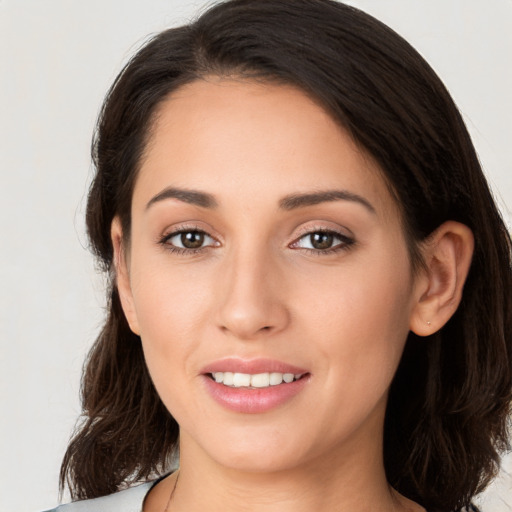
{"x": 345, "y": 242}
{"x": 164, "y": 241}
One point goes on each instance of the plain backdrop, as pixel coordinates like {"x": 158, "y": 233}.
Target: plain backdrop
{"x": 57, "y": 59}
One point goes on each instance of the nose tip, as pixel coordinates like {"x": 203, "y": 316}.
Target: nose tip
{"x": 252, "y": 305}
{"x": 249, "y": 320}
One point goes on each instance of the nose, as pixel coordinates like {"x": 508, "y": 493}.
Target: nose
{"x": 251, "y": 299}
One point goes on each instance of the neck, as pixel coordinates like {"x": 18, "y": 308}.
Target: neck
{"x": 297, "y": 491}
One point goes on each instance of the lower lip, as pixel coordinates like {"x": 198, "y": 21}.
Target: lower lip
{"x": 253, "y": 400}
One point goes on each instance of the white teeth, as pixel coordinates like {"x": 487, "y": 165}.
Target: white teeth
{"x": 241, "y": 380}
{"x": 259, "y": 380}
{"x": 276, "y": 378}
{"x": 288, "y": 377}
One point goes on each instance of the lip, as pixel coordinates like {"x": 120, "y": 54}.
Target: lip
{"x": 253, "y": 400}
{"x": 252, "y": 366}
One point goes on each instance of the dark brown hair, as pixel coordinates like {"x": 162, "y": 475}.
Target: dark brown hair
{"x": 446, "y": 420}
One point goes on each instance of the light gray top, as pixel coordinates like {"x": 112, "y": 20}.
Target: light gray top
{"x": 128, "y": 500}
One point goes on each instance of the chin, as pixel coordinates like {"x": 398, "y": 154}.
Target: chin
{"x": 252, "y": 450}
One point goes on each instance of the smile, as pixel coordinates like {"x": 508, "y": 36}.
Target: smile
{"x": 258, "y": 380}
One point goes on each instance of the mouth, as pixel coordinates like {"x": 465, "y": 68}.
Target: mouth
{"x": 253, "y": 386}
{"x": 255, "y": 380}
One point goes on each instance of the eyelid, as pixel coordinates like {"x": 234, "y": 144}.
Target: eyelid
{"x": 187, "y": 226}
{"x": 327, "y": 227}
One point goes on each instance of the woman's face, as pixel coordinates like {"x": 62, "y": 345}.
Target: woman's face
{"x": 265, "y": 245}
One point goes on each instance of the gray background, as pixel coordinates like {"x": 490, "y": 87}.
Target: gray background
{"x": 57, "y": 59}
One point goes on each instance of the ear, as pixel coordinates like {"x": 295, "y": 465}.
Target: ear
{"x": 122, "y": 278}
{"x": 438, "y": 289}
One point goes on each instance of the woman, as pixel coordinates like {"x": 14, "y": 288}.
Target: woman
{"x": 310, "y": 282}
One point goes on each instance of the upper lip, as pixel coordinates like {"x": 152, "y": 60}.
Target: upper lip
{"x": 252, "y": 366}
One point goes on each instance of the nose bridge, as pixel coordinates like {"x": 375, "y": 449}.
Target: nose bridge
{"x": 249, "y": 300}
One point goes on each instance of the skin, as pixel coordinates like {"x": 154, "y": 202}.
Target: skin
{"x": 256, "y": 288}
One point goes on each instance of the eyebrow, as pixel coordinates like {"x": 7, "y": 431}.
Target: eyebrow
{"x": 294, "y": 201}
{"x": 194, "y": 197}
{"x": 290, "y": 202}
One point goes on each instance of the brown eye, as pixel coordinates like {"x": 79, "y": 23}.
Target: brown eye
{"x": 189, "y": 240}
{"x": 192, "y": 239}
{"x": 321, "y": 240}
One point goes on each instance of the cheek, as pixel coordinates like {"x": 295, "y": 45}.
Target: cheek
{"x": 359, "y": 319}
{"x": 171, "y": 307}
{"x": 169, "y": 298}
{"x": 169, "y": 321}
{"x": 368, "y": 293}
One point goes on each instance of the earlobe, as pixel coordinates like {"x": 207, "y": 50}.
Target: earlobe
{"x": 122, "y": 275}
{"x": 447, "y": 257}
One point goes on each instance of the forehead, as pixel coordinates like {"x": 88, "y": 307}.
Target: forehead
{"x": 246, "y": 139}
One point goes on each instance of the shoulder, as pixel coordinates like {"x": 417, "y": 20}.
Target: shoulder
{"x": 128, "y": 500}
